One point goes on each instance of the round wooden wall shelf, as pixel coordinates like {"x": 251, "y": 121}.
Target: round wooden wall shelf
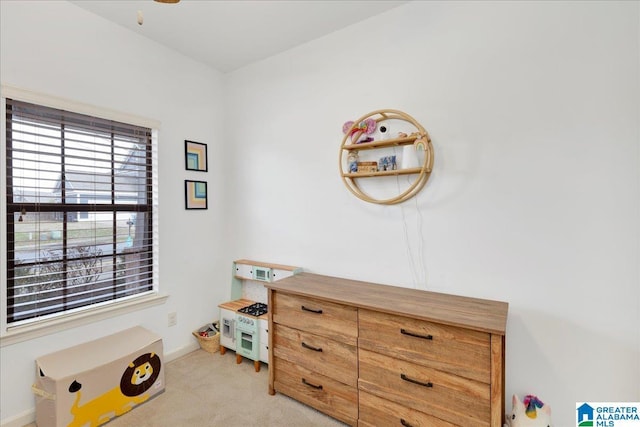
{"x": 414, "y": 135}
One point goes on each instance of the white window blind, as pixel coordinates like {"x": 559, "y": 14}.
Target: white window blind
{"x": 80, "y": 206}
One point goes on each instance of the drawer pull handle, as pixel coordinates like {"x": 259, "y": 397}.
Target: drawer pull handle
{"x": 411, "y": 380}
{"x": 412, "y": 334}
{"x": 310, "y": 347}
{"x": 317, "y": 387}
{"x": 311, "y": 310}
{"x": 404, "y": 423}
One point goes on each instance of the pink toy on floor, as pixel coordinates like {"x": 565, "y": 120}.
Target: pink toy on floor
{"x": 531, "y": 412}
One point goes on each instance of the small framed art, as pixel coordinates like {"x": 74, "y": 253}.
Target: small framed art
{"x": 195, "y": 156}
{"x": 195, "y": 194}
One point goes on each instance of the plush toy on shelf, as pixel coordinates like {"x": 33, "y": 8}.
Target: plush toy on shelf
{"x": 360, "y": 132}
{"x": 531, "y": 412}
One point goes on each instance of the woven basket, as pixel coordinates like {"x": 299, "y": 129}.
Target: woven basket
{"x": 208, "y": 344}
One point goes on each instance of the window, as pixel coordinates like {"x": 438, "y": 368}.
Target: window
{"x": 80, "y": 211}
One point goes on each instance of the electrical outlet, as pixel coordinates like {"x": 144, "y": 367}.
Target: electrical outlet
{"x": 172, "y": 319}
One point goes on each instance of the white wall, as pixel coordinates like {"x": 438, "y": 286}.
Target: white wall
{"x": 534, "y": 200}
{"x": 59, "y": 49}
{"x": 533, "y": 111}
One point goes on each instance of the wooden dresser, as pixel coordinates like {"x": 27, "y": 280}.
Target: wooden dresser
{"x": 372, "y": 355}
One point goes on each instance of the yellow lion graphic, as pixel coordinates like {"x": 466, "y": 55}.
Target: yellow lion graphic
{"x": 136, "y": 379}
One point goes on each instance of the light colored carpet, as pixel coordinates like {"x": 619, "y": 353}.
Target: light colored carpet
{"x": 204, "y": 389}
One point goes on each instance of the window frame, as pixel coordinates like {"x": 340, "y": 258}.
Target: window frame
{"x": 27, "y": 329}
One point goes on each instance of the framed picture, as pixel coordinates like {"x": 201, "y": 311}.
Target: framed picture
{"x": 195, "y": 194}
{"x": 195, "y": 156}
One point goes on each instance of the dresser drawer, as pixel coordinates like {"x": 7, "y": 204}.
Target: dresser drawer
{"x": 323, "y": 393}
{"x": 323, "y": 355}
{"x": 376, "y": 411}
{"x": 446, "y": 396}
{"x": 335, "y": 321}
{"x": 459, "y": 351}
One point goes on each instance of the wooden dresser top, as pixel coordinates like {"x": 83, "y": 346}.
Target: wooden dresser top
{"x": 472, "y": 313}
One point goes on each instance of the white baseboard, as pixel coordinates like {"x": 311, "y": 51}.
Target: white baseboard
{"x": 168, "y": 357}
{"x": 20, "y": 420}
{"x": 29, "y": 416}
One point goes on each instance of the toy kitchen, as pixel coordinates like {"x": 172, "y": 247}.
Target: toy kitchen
{"x": 244, "y": 319}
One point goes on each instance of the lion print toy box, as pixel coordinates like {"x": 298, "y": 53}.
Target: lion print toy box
{"x": 91, "y": 383}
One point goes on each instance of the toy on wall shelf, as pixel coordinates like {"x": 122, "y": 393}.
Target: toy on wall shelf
{"x": 421, "y": 142}
{"x": 357, "y": 131}
{"x": 352, "y": 159}
{"x": 531, "y": 412}
{"x": 367, "y": 167}
{"x": 387, "y": 163}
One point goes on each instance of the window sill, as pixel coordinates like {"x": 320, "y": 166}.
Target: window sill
{"x": 22, "y": 333}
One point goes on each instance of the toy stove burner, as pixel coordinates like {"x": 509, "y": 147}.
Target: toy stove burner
{"x": 255, "y": 309}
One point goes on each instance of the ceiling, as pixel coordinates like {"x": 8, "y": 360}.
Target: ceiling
{"x": 230, "y": 34}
